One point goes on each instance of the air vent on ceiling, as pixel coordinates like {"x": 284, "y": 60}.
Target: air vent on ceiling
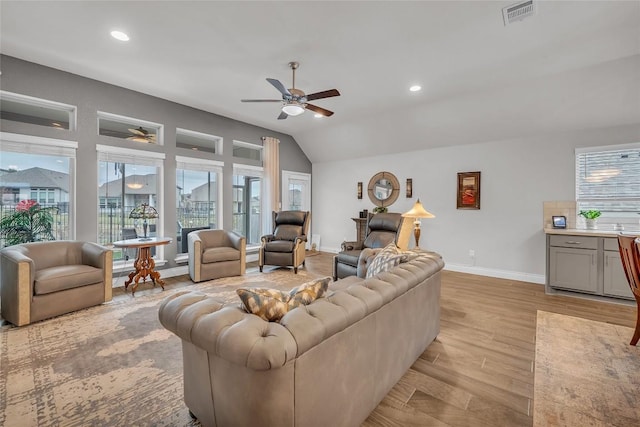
{"x": 518, "y": 11}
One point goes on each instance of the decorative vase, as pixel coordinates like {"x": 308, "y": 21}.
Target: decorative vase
{"x": 592, "y": 224}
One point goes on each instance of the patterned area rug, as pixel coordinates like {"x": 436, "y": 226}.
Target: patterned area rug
{"x": 586, "y": 373}
{"x": 111, "y": 365}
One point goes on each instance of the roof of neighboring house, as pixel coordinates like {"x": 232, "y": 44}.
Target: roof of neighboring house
{"x": 36, "y": 178}
{"x": 114, "y": 188}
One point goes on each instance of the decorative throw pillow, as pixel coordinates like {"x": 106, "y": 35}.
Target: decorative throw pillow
{"x": 309, "y": 292}
{"x": 272, "y": 304}
{"x": 386, "y": 259}
{"x": 269, "y": 304}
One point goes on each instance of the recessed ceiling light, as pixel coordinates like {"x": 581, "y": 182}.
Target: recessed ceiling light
{"x": 119, "y": 35}
{"x": 316, "y": 115}
{"x": 415, "y": 88}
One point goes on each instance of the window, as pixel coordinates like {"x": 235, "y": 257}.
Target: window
{"x": 197, "y": 141}
{"x": 608, "y": 179}
{"x": 26, "y": 109}
{"x": 40, "y": 169}
{"x": 139, "y": 131}
{"x": 247, "y": 202}
{"x": 198, "y": 186}
{"x": 126, "y": 179}
{"x": 246, "y": 150}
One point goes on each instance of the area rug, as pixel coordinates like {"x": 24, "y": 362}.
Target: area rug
{"x": 111, "y": 365}
{"x": 586, "y": 373}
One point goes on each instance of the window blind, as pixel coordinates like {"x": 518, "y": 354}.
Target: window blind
{"x": 192, "y": 163}
{"x": 609, "y": 180}
{"x": 247, "y": 170}
{"x": 107, "y": 153}
{"x": 37, "y": 145}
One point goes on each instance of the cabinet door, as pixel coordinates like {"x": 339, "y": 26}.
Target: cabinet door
{"x": 615, "y": 281}
{"x": 575, "y": 269}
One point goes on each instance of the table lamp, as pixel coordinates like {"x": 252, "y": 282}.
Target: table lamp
{"x": 145, "y": 212}
{"x": 417, "y": 212}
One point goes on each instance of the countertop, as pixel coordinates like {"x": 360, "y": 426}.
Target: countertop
{"x": 594, "y": 233}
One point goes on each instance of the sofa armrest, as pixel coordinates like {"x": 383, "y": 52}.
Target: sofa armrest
{"x": 239, "y": 242}
{"x": 351, "y": 246}
{"x": 94, "y": 254}
{"x": 267, "y": 238}
{"x": 100, "y": 257}
{"x": 227, "y": 331}
{"x": 17, "y": 274}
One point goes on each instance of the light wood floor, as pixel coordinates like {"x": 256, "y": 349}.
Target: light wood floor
{"x": 479, "y": 371}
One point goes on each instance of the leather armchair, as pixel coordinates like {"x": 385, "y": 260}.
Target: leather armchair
{"x": 286, "y": 246}
{"x": 47, "y": 279}
{"x": 216, "y": 253}
{"x": 382, "y": 229}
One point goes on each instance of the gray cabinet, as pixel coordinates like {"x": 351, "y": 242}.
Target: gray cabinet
{"x": 573, "y": 263}
{"x": 614, "y": 280}
{"x": 586, "y": 264}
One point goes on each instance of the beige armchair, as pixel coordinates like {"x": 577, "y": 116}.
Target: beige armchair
{"x": 286, "y": 246}
{"x": 216, "y": 253}
{"x": 47, "y": 279}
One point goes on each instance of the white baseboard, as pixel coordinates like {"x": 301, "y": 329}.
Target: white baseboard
{"x": 501, "y": 274}
{"x": 330, "y": 250}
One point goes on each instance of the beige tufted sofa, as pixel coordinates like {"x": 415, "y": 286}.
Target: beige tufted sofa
{"x": 326, "y": 364}
{"x": 46, "y": 279}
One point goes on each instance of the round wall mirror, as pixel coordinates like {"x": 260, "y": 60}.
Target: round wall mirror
{"x": 383, "y": 189}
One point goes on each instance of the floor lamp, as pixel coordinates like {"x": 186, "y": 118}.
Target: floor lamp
{"x": 417, "y": 211}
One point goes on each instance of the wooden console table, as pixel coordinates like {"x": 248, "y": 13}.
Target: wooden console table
{"x": 144, "y": 263}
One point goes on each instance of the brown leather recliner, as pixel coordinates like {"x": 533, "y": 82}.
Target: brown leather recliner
{"x": 216, "y": 253}
{"x": 285, "y": 247}
{"x": 353, "y": 260}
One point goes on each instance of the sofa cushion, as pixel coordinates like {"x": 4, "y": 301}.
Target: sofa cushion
{"x": 279, "y": 246}
{"x": 54, "y": 279}
{"x": 220, "y": 254}
{"x": 269, "y": 304}
{"x": 386, "y": 259}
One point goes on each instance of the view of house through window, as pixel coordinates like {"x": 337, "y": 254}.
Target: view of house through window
{"x": 121, "y": 187}
{"x": 197, "y": 199}
{"x": 608, "y": 179}
{"x": 44, "y": 179}
{"x": 247, "y": 204}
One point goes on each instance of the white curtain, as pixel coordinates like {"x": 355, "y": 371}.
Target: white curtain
{"x": 270, "y": 181}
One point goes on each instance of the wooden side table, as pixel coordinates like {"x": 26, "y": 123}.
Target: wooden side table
{"x": 144, "y": 263}
{"x": 361, "y": 228}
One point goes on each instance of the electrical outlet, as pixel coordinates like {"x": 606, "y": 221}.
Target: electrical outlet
{"x": 472, "y": 253}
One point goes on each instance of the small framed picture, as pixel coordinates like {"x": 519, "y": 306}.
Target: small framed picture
{"x": 468, "y": 190}
{"x": 559, "y": 221}
{"x": 409, "y": 192}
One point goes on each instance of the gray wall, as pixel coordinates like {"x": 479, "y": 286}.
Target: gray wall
{"x": 518, "y": 175}
{"x": 91, "y": 96}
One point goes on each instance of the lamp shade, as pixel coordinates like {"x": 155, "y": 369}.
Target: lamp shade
{"x": 418, "y": 211}
{"x": 143, "y": 211}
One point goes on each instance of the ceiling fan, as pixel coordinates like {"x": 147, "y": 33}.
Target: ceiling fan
{"x": 294, "y": 101}
{"x": 142, "y": 135}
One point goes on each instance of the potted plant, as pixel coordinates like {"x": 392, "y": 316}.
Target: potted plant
{"x": 591, "y": 218}
{"x": 30, "y": 222}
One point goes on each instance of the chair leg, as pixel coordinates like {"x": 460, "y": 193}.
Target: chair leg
{"x": 295, "y": 270}
{"x": 636, "y": 334}
{"x": 260, "y": 269}
{"x": 304, "y": 263}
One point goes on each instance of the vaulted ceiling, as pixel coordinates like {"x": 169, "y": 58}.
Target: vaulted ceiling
{"x": 573, "y": 65}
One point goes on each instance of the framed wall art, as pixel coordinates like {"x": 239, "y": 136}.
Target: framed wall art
{"x": 468, "y": 190}
{"x": 409, "y": 192}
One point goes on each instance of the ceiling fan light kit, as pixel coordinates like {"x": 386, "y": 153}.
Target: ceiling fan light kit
{"x": 294, "y": 101}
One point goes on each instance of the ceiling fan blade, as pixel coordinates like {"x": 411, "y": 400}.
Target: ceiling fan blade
{"x": 276, "y": 83}
{"x": 261, "y": 100}
{"x": 140, "y": 131}
{"x": 319, "y": 110}
{"x": 282, "y": 115}
{"x": 323, "y": 94}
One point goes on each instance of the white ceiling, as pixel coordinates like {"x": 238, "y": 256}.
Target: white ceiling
{"x": 574, "y": 65}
